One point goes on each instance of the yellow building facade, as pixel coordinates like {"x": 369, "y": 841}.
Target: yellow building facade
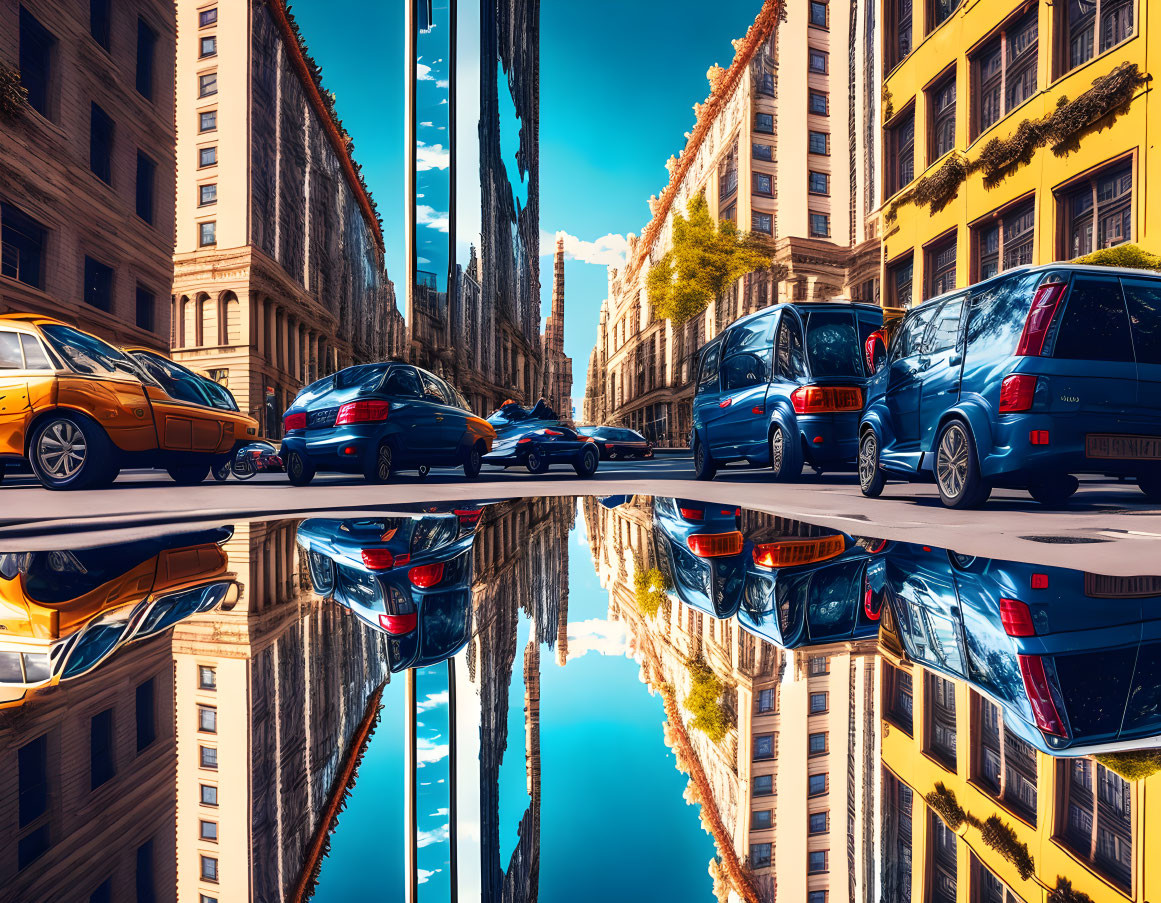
{"x": 1013, "y": 133}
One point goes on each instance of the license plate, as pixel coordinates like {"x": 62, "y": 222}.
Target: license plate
{"x": 1101, "y": 586}
{"x": 1132, "y": 448}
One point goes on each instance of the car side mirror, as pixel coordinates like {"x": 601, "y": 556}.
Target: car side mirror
{"x": 875, "y": 350}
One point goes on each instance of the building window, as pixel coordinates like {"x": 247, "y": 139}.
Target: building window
{"x": 207, "y": 121}
{"x": 941, "y": 703}
{"x": 207, "y": 156}
{"x": 817, "y": 14}
{"x": 818, "y": 703}
{"x": 764, "y": 122}
{"x": 146, "y": 888}
{"x": 900, "y": 150}
{"x": 986, "y": 887}
{"x": 943, "y": 861}
{"x": 817, "y": 744}
{"x": 207, "y": 719}
{"x": 209, "y": 795}
{"x": 764, "y": 746}
{"x": 32, "y": 778}
{"x": 101, "y": 761}
{"x": 209, "y": 46}
{"x": 900, "y": 699}
{"x": 763, "y": 183}
{"x": 98, "y": 285}
{"x": 37, "y": 46}
{"x": 207, "y": 234}
{"x": 146, "y": 306}
{"x": 941, "y": 123}
{"x": 146, "y": 51}
{"x": 145, "y": 709}
{"x": 898, "y": 32}
{"x": 1006, "y": 764}
{"x": 209, "y": 757}
{"x": 1098, "y": 817}
{"x": 208, "y": 84}
{"x": 209, "y": 869}
{"x": 759, "y": 855}
{"x": 897, "y": 830}
{"x": 1004, "y": 71}
{"x": 818, "y": 61}
{"x": 818, "y": 665}
{"x": 816, "y": 862}
{"x": 100, "y": 20}
{"x": 103, "y": 893}
{"x": 207, "y": 677}
{"x": 819, "y": 183}
{"x": 817, "y": 823}
{"x": 208, "y": 830}
{"x": 766, "y": 83}
{"x": 1079, "y": 28}
{"x": 939, "y": 12}
{"x": 762, "y": 222}
{"x": 940, "y": 267}
{"x": 21, "y": 246}
{"x": 819, "y": 143}
{"x": 207, "y": 17}
{"x": 208, "y": 899}
{"x": 762, "y": 152}
{"x": 146, "y": 177}
{"x": 816, "y": 896}
{"x": 1006, "y": 241}
{"x": 207, "y": 194}
{"x": 820, "y": 225}
{"x": 764, "y": 785}
{"x": 816, "y": 784}
{"x": 900, "y": 278}
{"x": 761, "y": 819}
{"x": 1097, "y": 212}
{"x": 818, "y": 103}
{"x": 101, "y": 144}
{"x": 765, "y": 701}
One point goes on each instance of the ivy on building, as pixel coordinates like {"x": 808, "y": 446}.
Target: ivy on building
{"x": 704, "y": 701}
{"x": 13, "y": 94}
{"x": 705, "y": 259}
{"x": 1062, "y": 129}
{"x": 1136, "y": 765}
{"x": 649, "y": 591}
{"x": 994, "y": 831}
{"x": 944, "y": 803}
{"x": 1135, "y": 257}
{"x": 1064, "y": 892}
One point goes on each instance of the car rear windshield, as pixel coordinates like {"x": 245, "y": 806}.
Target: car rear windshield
{"x": 86, "y": 354}
{"x": 316, "y": 389}
{"x": 1094, "y": 687}
{"x": 1095, "y": 324}
{"x": 363, "y": 376}
{"x": 447, "y": 619}
{"x": 832, "y": 344}
{"x": 829, "y": 595}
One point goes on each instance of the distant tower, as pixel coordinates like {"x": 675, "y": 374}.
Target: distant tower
{"x": 554, "y": 330}
{"x": 558, "y": 367}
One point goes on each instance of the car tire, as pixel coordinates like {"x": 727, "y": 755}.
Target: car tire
{"x": 871, "y": 476}
{"x": 380, "y": 463}
{"x": 703, "y": 465}
{"x": 1149, "y": 483}
{"x": 587, "y": 464}
{"x": 785, "y": 455}
{"x": 222, "y": 467}
{"x": 69, "y": 451}
{"x": 3, "y": 470}
{"x": 299, "y": 468}
{"x": 474, "y": 461}
{"x": 1055, "y": 490}
{"x": 188, "y": 473}
{"x": 957, "y": 470}
{"x": 536, "y": 462}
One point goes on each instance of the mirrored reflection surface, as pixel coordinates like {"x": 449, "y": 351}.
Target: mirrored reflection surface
{"x": 471, "y": 700}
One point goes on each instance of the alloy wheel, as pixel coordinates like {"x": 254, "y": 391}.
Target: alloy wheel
{"x": 868, "y": 460}
{"x": 951, "y": 463}
{"x": 777, "y": 450}
{"x": 62, "y": 450}
{"x": 384, "y": 462}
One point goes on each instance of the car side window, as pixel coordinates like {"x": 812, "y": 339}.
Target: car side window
{"x": 943, "y": 329}
{"x": 708, "y": 375}
{"x": 753, "y": 335}
{"x": 1095, "y": 325}
{"x": 911, "y": 333}
{"x": 434, "y": 389}
{"x": 1144, "y": 299}
{"x": 35, "y": 357}
{"x": 403, "y": 382}
{"x": 743, "y": 370}
{"x": 10, "y": 355}
{"x": 790, "y": 361}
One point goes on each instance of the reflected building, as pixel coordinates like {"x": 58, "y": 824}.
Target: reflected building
{"x": 557, "y": 365}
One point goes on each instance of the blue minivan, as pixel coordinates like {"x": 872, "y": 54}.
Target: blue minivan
{"x": 1022, "y": 381}
{"x": 783, "y": 387}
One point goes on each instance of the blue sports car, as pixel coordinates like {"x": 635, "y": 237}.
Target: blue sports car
{"x": 534, "y": 438}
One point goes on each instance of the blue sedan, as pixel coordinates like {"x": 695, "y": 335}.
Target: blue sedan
{"x": 534, "y": 438}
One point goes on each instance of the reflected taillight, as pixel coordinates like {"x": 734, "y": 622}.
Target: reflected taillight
{"x": 362, "y": 412}
{"x": 826, "y": 399}
{"x": 1039, "y": 318}
{"x": 716, "y": 545}
{"x": 378, "y": 559}
{"x": 1040, "y": 695}
{"x": 790, "y": 552}
{"x": 294, "y": 422}
{"x": 1016, "y": 617}
{"x": 398, "y": 624}
{"x": 692, "y": 514}
{"x": 1016, "y": 393}
{"x": 426, "y": 576}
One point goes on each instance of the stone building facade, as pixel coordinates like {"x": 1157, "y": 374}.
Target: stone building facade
{"x": 86, "y": 165}
{"x": 557, "y": 365}
{"x": 278, "y": 266}
{"x": 808, "y": 190}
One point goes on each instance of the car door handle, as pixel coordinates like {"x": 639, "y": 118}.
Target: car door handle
{"x": 726, "y": 403}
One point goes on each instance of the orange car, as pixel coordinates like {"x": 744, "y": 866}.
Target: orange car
{"x": 78, "y": 409}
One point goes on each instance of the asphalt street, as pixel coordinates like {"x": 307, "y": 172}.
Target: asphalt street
{"x": 1108, "y": 527}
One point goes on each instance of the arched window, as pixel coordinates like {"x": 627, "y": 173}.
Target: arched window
{"x": 189, "y": 322}
{"x": 208, "y": 318}
{"x": 233, "y": 318}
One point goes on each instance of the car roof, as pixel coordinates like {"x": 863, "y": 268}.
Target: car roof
{"x": 802, "y": 305}
{"x": 28, "y": 322}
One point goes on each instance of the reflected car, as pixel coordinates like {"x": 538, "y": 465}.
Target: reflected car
{"x": 1021, "y": 381}
{"x": 806, "y": 590}
{"x": 407, "y": 577}
{"x": 1073, "y": 659}
{"x": 377, "y": 419}
{"x": 250, "y": 459}
{"x": 699, "y": 549}
{"x": 78, "y": 410}
{"x": 783, "y": 388}
{"x": 65, "y": 612}
{"x": 617, "y": 442}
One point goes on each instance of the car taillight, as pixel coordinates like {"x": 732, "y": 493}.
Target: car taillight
{"x": 378, "y": 559}
{"x": 873, "y": 611}
{"x": 362, "y": 412}
{"x": 398, "y": 624}
{"x": 1040, "y": 695}
{"x": 715, "y": 545}
{"x": 790, "y": 552}
{"x": 692, "y": 514}
{"x": 1039, "y": 318}
{"x": 1016, "y": 617}
{"x": 553, "y": 433}
{"x": 1039, "y": 581}
{"x": 426, "y": 576}
{"x": 468, "y": 517}
{"x": 1016, "y": 392}
{"x": 826, "y": 399}
{"x": 609, "y": 446}
{"x": 869, "y": 348}
{"x": 294, "y": 422}
{"x": 525, "y": 439}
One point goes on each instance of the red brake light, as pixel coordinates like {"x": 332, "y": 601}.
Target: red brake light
{"x": 426, "y": 576}
{"x": 362, "y": 412}
{"x": 1040, "y": 695}
{"x": 397, "y": 624}
{"x": 1016, "y": 392}
{"x": 525, "y": 439}
{"x": 826, "y": 399}
{"x": 693, "y": 514}
{"x": 1039, "y": 581}
{"x": 715, "y": 545}
{"x": 609, "y": 445}
{"x": 1039, "y": 437}
{"x": 378, "y": 559}
{"x": 1040, "y": 315}
{"x": 1016, "y": 618}
{"x": 294, "y": 422}
{"x": 873, "y": 611}
{"x": 553, "y": 433}
{"x": 869, "y": 348}
{"x": 468, "y": 517}
{"x": 791, "y": 552}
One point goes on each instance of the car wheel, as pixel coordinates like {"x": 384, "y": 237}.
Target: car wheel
{"x": 68, "y": 451}
{"x": 587, "y": 465}
{"x": 703, "y": 465}
{"x": 1054, "y": 490}
{"x": 299, "y": 468}
{"x": 785, "y": 456}
{"x": 188, "y": 473}
{"x": 1149, "y": 483}
{"x": 2, "y": 472}
{"x": 871, "y": 476}
{"x": 379, "y": 464}
{"x": 222, "y": 468}
{"x": 957, "y": 471}
{"x": 474, "y": 461}
{"x": 535, "y": 462}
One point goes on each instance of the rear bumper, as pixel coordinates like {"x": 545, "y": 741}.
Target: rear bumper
{"x": 339, "y": 448}
{"x": 1013, "y": 456}
{"x": 831, "y": 439}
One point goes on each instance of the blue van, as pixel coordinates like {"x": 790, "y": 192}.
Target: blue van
{"x": 1022, "y": 381}
{"x": 699, "y": 548}
{"x": 783, "y": 387}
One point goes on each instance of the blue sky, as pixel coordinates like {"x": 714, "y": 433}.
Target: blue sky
{"x": 618, "y": 82}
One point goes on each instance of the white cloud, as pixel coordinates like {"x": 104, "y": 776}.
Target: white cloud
{"x": 433, "y": 700}
{"x": 428, "y": 124}
{"x": 431, "y": 156}
{"x": 423, "y": 73}
{"x": 597, "y": 635}
{"x": 428, "y": 753}
{"x": 429, "y": 216}
{"x": 608, "y": 250}
{"x": 442, "y": 83}
{"x": 425, "y": 874}
{"x": 437, "y": 835}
